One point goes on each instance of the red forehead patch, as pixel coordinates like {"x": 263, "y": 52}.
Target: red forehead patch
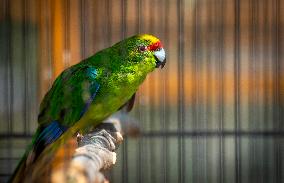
{"x": 155, "y": 46}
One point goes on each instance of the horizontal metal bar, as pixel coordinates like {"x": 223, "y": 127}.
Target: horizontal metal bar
{"x": 15, "y": 135}
{"x": 213, "y": 133}
{"x": 197, "y": 133}
{"x": 10, "y": 158}
{"x": 5, "y": 174}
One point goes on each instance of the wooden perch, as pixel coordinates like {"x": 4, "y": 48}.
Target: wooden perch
{"x": 95, "y": 153}
{"x": 83, "y": 157}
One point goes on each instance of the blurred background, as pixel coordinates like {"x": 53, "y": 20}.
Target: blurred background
{"x": 213, "y": 114}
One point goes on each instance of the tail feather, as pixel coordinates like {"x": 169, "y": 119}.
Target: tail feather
{"x": 42, "y": 138}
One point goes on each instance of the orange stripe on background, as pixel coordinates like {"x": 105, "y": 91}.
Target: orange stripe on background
{"x": 58, "y": 36}
{"x": 206, "y": 91}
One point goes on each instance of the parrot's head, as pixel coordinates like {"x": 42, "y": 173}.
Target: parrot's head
{"x": 144, "y": 51}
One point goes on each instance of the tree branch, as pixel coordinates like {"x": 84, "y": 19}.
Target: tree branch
{"x": 95, "y": 151}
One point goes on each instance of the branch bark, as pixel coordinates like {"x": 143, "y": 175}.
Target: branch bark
{"x": 95, "y": 152}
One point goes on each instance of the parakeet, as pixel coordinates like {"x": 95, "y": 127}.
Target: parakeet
{"x": 85, "y": 94}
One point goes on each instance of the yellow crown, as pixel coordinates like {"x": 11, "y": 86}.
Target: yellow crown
{"x": 149, "y": 37}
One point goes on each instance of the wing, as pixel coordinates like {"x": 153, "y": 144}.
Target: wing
{"x": 65, "y": 103}
{"x": 70, "y": 96}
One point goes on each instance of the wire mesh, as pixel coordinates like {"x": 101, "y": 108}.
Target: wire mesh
{"x": 213, "y": 114}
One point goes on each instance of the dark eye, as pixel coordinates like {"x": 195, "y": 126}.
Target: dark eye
{"x": 142, "y": 48}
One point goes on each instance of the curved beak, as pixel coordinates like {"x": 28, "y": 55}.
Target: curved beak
{"x": 160, "y": 57}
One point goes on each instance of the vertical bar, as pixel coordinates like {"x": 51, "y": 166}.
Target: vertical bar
{"x": 123, "y": 15}
{"x": 108, "y": 35}
{"x": 65, "y": 54}
{"x": 75, "y": 31}
{"x": 252, "y": 89}
{"x": 50, "y": 43}
{"x": 57, "y": 36}
{"x": 9, "y": 69}
{"x": 159, "y": 25}
{"x": 28, "y": 70}
{"x": 152, "y": 115}
{"x": 276, "y": 107}
{"x": 138, "y": 23}
{"x": 109, "y": 20}
{"x": 237, "y": 92}
{"x": 25, "y": 66}
{"x": 208, "y": 82}
{"x": 265, "y": 70}
{"x": 49, "y": 23}
{"x": 138, "y": 103}
{"x": 221, "y": 88}
{"x": 165, "y": 125}
{"x": 141, "y": 140}
{"x": 181, "y": 148}
{"x": 9, "y": 81}
{"x": 45, "y": 66}
{"x": 67, "y": 51}
{"x": 125, "y": 144}
{"x": 83, "y": 28}
{"x": 196, "y": 91}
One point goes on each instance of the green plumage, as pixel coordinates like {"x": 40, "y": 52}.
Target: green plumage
{"x": 119, "y": 70}
{"x": 85, "y": 94}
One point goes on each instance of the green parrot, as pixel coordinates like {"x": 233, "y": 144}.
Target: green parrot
{"x": 85, "y": 94}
